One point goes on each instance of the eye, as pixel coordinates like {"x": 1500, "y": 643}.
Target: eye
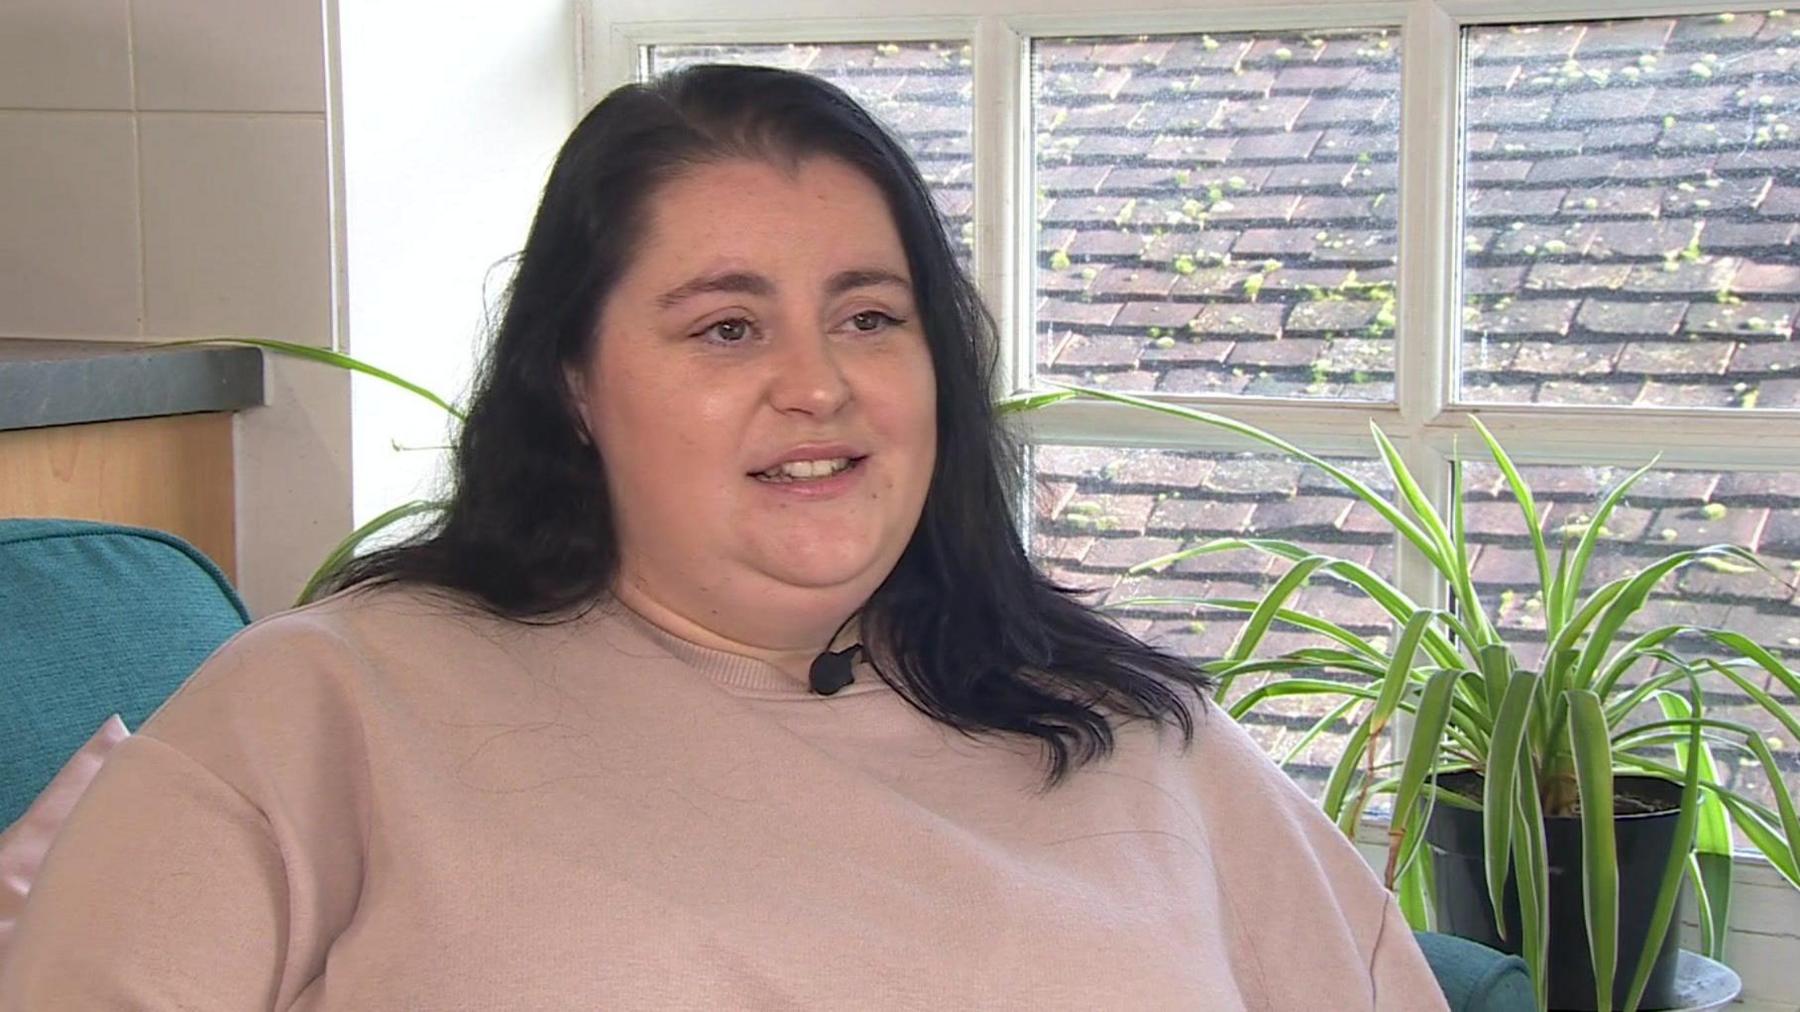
{"x": 870, "y": 321}
{"x": 735, "y": 330}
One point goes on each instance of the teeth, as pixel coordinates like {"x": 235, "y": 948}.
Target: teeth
{"x": 802, "y": 470}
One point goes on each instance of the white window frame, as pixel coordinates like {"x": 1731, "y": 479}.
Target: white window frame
{"x": 1431, "y": 430}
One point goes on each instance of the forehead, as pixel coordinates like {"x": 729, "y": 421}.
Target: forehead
{"x": 821, "y": 211}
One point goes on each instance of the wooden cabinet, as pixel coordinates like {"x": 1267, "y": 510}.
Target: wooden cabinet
{"x": 173, "y": 473}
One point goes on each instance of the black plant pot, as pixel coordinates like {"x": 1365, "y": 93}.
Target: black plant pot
{"x": 1464, "y": 908}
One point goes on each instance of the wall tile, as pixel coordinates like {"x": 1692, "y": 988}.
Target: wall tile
{"x": 237, "y": 226}
{"x": 247, "y": 55}
{"x": 69, "y": 238}
{"x": 65, "y": 54}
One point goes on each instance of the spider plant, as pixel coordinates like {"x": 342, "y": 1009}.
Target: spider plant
{"x": 1546, "y": 740}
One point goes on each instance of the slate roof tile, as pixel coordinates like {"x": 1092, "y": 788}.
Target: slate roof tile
{"x": 1276, "y": 147}
{"x": 1130, "y": 380}
{"x": 1615, "y": 201}
{"x": 1210, "y": 281}
{"x": 1694, "y": 526}
{"x": 1675, "y": 358}
{"x": 1673, "y": 488}
{"x": 1660, "y": 168}
{"x": 1628, "y": 37}
{"x": 1516, "y": 41}
{"x": 1618, "y": 394}
{"x": 1089, "y": 350}
{"x": 1604, "y": 316}
{"x": 1549, "y": 359}
{"x": 1746, "y": 321}
{"x": 1120, "y": 553}
{"x": 1767, "y": 278}
{"x": 1580, "y": 169}
{"x": 1560, "y": 276}
{"x": 1759, "y": 359}
{"x": 1742, "y": 26}
{"x": 1496, "y": 204}
{"x": 1313, "y": 516}
{"x": 1780, "y": 393}
{"x": 1076, "y": 313}
{"x": 1111, "y": 242}
{"x": 1060, "y": 549}
{"x": 1188, "y": 350}
{"x": 1537, "y": 316}
{"x": 1683, "y": 277}
{"x": 1293, "y": 352}
{"x": 1221, "y": 517}
{"x": 1339, "y": 315}
{"x": 1156, "y": 314}
{"x": 1123, "y": 281}
{"x": 1601, "y": 105}
{"x": 1259, "y": 319}
{"x": 1766, "y": 238}
{"x": 1203, "y": 381}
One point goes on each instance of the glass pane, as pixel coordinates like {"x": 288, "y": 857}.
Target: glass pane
{"x": 1630, "y": 212}
{"x": 1666, "y": 510}
{"x": 1102, "y": 510}
{"x": 1216, "y": 213}
{"x": 921, "y": 91}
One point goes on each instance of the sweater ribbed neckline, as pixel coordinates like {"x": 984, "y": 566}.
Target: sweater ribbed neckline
{"x": 737, "y": 672}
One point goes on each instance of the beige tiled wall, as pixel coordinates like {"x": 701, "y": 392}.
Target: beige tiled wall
{"x": 165, "y": 171}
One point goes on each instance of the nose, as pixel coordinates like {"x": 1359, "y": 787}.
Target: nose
{"x": 808, "y": 376}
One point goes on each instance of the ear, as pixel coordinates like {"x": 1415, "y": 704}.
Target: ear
{"x": 575, "y": 386}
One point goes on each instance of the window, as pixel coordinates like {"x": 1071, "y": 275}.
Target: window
{"x": 920, "y": 91}
{"x": 1577, "y": 224}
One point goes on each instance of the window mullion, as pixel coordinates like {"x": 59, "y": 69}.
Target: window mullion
{"x": 1417, "y": 577}
{"x": 1005, "y": 239}
{"x": 1424, "y": 362}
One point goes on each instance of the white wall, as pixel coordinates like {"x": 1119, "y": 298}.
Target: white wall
{"x": 450, "y": 122}
{"x": 165, "y": 172}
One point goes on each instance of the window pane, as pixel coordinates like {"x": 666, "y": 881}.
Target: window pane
{"x": 1102, "y": 510}
{"x": 1633, "y": 188}
{"x": 921, "y": 91}
{"x": 1666, "y": 510}
{"x": 1217, "y": 212}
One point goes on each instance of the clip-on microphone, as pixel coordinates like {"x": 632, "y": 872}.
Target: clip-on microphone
{"x": 831, "y": 670}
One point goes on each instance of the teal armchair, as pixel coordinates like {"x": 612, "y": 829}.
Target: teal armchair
{"x": 1476, "y": 978}
{"x": 95, "y": 619}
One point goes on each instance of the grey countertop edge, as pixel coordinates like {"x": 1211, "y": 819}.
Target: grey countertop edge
{"x": 53, "y": 382}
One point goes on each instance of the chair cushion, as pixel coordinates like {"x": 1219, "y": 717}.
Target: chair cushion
{"x": 95, "y": 619}
{"x": 1476, "y": 978}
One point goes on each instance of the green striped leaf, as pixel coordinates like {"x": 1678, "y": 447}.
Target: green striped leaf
{"x": 1590, "y": 742}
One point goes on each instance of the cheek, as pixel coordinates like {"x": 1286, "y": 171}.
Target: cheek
{"x": 911, "y": 414}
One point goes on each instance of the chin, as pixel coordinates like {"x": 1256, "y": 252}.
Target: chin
{"x": 859, "y": 571}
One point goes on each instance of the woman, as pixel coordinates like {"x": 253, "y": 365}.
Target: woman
{"x": 588, "y": 742}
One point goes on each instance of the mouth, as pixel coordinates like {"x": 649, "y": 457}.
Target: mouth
{"x": 794, "y": 471}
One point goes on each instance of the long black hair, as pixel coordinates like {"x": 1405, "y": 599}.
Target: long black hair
{"x": 965, "y": 627}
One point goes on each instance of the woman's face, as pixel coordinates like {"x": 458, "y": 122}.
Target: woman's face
{"x": 762, "y": 397}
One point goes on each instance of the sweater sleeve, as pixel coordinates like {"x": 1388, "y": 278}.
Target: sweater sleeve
{"x": 220, "y": 850}
{"x": 164, "y": 890}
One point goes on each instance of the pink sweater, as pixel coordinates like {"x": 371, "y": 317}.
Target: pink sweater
{"x": 382, "y": 802}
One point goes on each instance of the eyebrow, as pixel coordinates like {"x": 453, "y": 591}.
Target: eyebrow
{"x": 751, "y": 283}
